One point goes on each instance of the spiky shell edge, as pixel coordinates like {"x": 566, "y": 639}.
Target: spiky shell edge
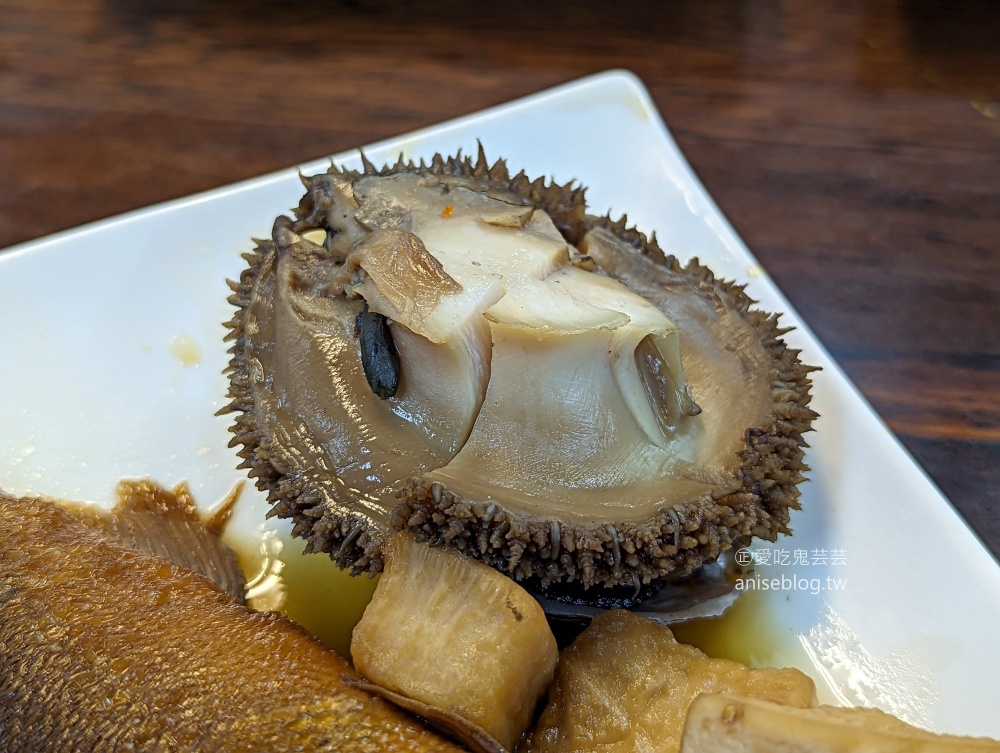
{"x": 672, "y": 543}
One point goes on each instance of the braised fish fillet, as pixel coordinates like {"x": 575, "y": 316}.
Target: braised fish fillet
{"x": 167, "y": 524}
{"x": 106, "y": 648}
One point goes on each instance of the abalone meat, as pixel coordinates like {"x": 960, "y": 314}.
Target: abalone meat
{"x": 467, "y": 354}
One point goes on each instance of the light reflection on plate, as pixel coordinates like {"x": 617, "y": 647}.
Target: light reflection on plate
{"x": 112, "y": 342}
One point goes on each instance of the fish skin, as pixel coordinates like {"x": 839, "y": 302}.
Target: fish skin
{"x": 107, "y": 649}
{"x": 167, "y": 524}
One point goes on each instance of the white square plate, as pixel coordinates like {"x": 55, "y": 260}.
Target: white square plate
{"x": 113, "y": 360}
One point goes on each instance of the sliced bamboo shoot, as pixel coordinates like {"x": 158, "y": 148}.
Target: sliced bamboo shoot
{"x": 625, "y": 685}
{"x": 449, "y": 632}
{"x": 729, "y": 724}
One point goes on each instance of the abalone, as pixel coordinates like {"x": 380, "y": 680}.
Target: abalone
{"x": 469, "y": 355}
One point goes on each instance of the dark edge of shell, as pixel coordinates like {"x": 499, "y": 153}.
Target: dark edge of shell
{"x": 671, "y": 544}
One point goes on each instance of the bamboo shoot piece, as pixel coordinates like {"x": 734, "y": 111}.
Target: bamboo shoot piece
{"x": 626, "y": 683}
{"x": 460, "y": 639}
{"x": 729, "y": 724}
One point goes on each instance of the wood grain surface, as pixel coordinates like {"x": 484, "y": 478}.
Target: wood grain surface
{"x": 855, "y": 149}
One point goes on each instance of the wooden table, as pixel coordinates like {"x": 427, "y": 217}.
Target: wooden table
{"x": 857, "y": 151}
